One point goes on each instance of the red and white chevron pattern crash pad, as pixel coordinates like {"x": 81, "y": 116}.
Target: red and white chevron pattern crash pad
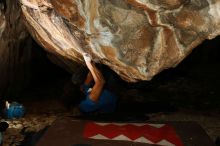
{"x": 74, "y": 132}
{"x": 160, "y": 134}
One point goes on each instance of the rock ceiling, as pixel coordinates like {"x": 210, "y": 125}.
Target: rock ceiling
{"x": 135, "y": 38}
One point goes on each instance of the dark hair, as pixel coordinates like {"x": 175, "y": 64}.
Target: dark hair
{"x": 72, "y": 95}
{"x": 79, "y": 76}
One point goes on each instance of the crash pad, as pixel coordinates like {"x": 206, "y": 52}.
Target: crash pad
{"x": 74, "y": 132}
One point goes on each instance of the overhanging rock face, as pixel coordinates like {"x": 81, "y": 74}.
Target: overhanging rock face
{"x": 135, "y": 38}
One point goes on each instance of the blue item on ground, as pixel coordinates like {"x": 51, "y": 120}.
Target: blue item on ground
{"x": 15, "y": 110}
{"x": 105, "y": 104}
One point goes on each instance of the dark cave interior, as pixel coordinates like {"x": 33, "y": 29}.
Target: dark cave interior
{"x": 194, "y": 83}
{"x": 188, "y": 93}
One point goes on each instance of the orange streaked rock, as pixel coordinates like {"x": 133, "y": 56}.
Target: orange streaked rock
{"x": 135, "y": 38}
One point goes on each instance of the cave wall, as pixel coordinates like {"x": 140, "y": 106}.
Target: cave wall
{"x": 15, "y": 49}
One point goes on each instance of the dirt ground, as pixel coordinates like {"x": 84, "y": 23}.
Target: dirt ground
{"x": 42, "y": 114}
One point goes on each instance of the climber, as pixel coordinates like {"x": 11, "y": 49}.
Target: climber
{"x": 96, "y": 98}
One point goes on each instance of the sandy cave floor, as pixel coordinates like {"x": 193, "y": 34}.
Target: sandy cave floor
{"x": 42, "y": 114}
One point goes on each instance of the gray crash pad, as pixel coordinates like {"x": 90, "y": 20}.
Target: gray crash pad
{"x": 72, "y": 132}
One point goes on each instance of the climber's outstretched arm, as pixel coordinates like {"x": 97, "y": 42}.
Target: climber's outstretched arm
{"x": 99, "y": 80}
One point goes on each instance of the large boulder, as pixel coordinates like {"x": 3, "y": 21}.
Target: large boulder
{"x": 15, "y": 49}
{"x": 135, "y": 38}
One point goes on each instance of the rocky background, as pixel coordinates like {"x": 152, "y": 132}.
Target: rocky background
{"x": 15, "y": 49}
{"x": 137, "y": 39}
